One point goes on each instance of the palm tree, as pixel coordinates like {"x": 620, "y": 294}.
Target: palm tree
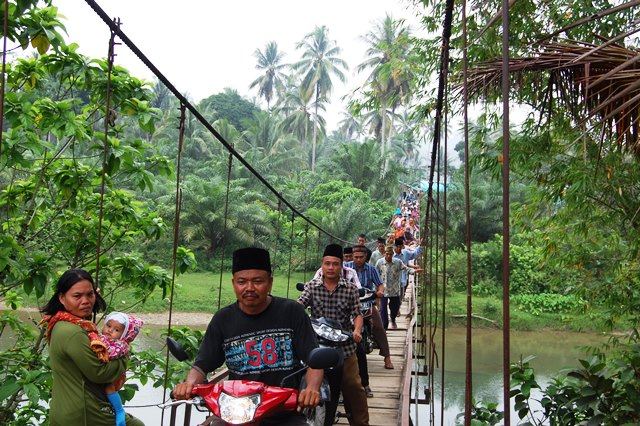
{"x": 350, "y": 126}
{"x": 202, "y": 222}
{"x": 271, "y": 81}
{"x": 319, "y": 62}
{"x": 388, "y": 83}
{"x": 300, "y": 113}
{"x": 360, "y": 164}
{"x": 270, "y": 150}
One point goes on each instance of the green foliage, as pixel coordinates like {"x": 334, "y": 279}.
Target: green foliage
{"x": 150, "y": 365}
{"x": 530, "y": 274}
{"x": 229, "y": 105}
{"x": 604, "y": 390}
{"x": 26, "y": 377}
{"x": 547, "y": 302}
{"x": 482, "y": 414}
{"x": 330, "y": 194}
{"x": 51, "y": 181}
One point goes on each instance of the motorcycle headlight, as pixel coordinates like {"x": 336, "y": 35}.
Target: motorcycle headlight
{"x": 238, "y": 410}
{"x": 329, "y": 333}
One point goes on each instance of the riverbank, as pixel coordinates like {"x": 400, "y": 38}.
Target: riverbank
{"x": 197, "y": 296}
{"x": 191, "y": 319}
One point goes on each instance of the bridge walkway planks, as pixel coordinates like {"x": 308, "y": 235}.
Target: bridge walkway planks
{"x": 390, "y": 403}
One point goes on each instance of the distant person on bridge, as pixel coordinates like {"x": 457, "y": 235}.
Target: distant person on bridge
{"x": 379, "y": 253}
{"x": 390, "y": 269}
{"x": 362, "y": 241}
{"x": 348, "y": 254}
{"x": 406, "y": 255}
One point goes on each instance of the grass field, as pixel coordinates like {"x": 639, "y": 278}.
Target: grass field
{"x": 200, "y": 292}
{"x": 203, "y": 292}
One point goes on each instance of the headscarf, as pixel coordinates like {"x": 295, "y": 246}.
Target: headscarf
{"x": 131, "y": 325}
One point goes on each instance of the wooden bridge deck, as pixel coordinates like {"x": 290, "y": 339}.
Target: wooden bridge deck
{"x": 391, "y": 388}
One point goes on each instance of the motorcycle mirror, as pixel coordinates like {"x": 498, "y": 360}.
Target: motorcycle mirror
{"x": 321, "y": 358}
{"x": 177, "y": 350}
{"x": 300, "y": 286}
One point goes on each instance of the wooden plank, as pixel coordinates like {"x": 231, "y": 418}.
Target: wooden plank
{"x": 390, "y": 402}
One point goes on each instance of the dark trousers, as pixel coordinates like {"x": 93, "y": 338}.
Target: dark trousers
{"x": 355, "y": 399}
{"x": 363, "y": 368}
{"x": 394, "y": 306}
{"x": 334, "y": 377}
{"x": 379, "y": 335}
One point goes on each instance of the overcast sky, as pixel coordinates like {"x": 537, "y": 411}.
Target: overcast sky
{"x": 203, "y": 46}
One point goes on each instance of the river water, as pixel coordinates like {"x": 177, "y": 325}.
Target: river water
{"x": 554, "y": 350}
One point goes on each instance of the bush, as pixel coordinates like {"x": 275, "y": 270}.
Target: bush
{"x": 529, "y": 273}
{"x": 537, "y": 304}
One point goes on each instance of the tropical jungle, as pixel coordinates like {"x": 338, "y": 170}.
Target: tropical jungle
{"x": 108, "y": 172}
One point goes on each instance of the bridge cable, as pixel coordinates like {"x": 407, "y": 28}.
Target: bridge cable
{"x": 306, "y": 246}
{"x": 293, "y": 222}
{"x": 127, "y": 41}
{"x": 444, "y": 259}
{"x": 442, "y": 82}
{"x": 224, "y": 228}
{"x": 109, "y": 118}
{"x": 277, "y": 244}
{"x": 506, "y": 240}
{"x": 176, "y": 236}
{"x": 5, "y": 36}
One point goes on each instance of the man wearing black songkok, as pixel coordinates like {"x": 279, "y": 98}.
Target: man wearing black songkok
{"x": 260, "y": 337}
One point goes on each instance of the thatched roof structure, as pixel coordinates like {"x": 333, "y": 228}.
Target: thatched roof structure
{"x": 598, "y": 84}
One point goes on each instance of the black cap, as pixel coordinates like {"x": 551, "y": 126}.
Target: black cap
{"x": 251, "y": 258}
{"x": 382, "y": 240}
{"x": 399, "y": 241}
{"x": 347, "y": 250}
{"x": 334, "y": 250}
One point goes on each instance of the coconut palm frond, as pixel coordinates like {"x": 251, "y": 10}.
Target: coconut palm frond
{"x": 599, "y": 83}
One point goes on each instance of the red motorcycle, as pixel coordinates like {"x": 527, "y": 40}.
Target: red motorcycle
{"x": 244, "y": 402}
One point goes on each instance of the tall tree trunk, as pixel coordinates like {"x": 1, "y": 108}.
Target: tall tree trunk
{"x": 390, "y": 134}
{"x": 383, "y": 142}
{"x": 314, "y": 144}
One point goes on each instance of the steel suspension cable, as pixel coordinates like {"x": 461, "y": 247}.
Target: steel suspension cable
{"x": 433, "y": 285}
{"x": 306, "y": 246}
{"x": 293, "y": 222}
{"x": 277, "y": 243}
{"x": 108, "y": 118}
{"x": 176, "y": 236}
{"x": 506, "y": 270}
{"x": 444, "y": 261}
{"x": 127, "y": 41}
{"x": 468, "y": 382}
{"x": 5, "y": 36}
{"x": 442, "y": 82}
{"x": 224, "y": 228}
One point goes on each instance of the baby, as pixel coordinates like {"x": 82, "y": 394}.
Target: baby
{"x": 117, "y": 334}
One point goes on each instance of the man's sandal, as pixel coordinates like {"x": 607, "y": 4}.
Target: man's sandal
{"x": 368, "y": 391}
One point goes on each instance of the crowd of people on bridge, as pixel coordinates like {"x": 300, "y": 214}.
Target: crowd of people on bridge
{"x": 260, "y": 337}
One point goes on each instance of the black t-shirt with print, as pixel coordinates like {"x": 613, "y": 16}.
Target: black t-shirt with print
{"x": 265, "y": 347}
